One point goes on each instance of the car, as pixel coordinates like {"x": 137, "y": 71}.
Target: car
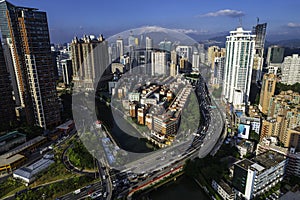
{"x": 105, "y": 194}
{"x": 90, "y": 192}
{"x": 77, "y": 191}
{"x": 96, "y": 194}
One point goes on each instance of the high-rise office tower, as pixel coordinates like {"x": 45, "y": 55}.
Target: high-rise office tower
{"x": 7, "y": 105}
{"x": 290, "y": 70}
{"x": 90, "y": 60}
{"x": 67, "y": 71}
{"x": 119, "y": 48}
{"x": 240, "y": 49}
{"x": 27, "y": 50}
{"x": 159, "y": 63}
{"x": 275, "y": 55}
{"x": 131, "y": 40}
{"x": 149, "y": 43}
{"x": 211, "y": 54}
{"x": 174, "y": 63}
{"x": 149, "y": 47}
{"x": 218, "y": 77}
{"x": 267, "y": 91}
{"x": 196, "y": 61}
{"x": 260, "y": 31}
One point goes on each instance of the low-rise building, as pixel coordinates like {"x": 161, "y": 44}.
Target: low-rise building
{"x": 254, "y": 177}
{"x": 293, "y": 157}
{"x": 245, "y": 147}
{"x": 11, "y": 139}
{"x": 9, "y": 163}
{"x": 28, "y": 174}
{"x": 223, "y": 189}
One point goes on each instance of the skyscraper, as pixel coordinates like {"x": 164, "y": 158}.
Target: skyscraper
{"x": 149, "y": 47}
{"x": 159, "y": 63}
{"x": 240, "y": 49}
{"x": 27, "y": 49}
{"x": 7, "y": 106}
{"x": 196, "y": 61}
{"x": 119, "y": 48}
{"x": 90, "y": 60}
{"x": 275, "y": 55}
{"x": 267, "y": 91}
{"x": 174, "y": 63}
{"x": 291, "y": 69}
{"x": 260, "y": 31}
{"x": 218, "y": 76}
{"x": 149, "y": 43}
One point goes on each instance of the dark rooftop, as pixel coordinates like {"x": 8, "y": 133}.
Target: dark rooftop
{"x": 269, "y": 159}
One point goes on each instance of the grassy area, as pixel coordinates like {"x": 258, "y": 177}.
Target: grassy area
{"x": 190, "y": 118}
{"x": 55, "y": 172}
{"x": 80, "y": 157}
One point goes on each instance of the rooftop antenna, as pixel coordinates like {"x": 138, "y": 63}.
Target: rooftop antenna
{"x": 240, "y": 22}
{"x": 257, "y": 19}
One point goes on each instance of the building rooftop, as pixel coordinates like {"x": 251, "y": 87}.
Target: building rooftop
{"x": 33, "y": 169}
{"x": 226, "y": 187}
{"x": 269, "y": 159}
{"x": 7, "y": 160}
{"x": 66, "y": 125}
{"x": 22, "y": 147}
{"x": 11, "y": 135}
{"x": 246, "y": 163}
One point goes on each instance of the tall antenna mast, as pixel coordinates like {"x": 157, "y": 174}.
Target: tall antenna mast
{"x": 257, "y": 18}
{"x": 240, "y": 21}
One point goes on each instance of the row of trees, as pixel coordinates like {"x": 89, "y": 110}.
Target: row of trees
{"x": 283, "y": 87}
{"x": 55, "y": 189}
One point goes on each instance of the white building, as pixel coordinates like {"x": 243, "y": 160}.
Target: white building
{"x": 219, "y": 70}
{"x": 184, "y": 52}
{"x": 240, "y": 49}
{"x": 28, "y": 174}
{"x": 291, "y": 70}
{"x": 159, "y": 63}
{"x": 196, "y": 62}
{"x": 149, "y": 43}
{"x": 254, "y": 177}
{"x": 134, "y": 96}
{"x": 223, "y": 189}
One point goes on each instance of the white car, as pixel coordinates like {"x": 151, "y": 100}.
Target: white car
{"x": 96, "y": 194}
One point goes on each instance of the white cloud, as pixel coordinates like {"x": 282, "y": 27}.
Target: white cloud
{"x": 225, "y": 12}
{"x": 148, "y": 29}
{"x": 293, "y": 25}
{"x": 186, "y": 31}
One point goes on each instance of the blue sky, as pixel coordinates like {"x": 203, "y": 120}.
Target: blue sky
{"x": 68, "y": 18}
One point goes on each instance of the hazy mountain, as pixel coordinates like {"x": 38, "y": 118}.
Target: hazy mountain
{"x": 291, "y": 43}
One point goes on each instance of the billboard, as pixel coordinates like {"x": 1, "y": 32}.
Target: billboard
{"x": 244, "y": 131}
